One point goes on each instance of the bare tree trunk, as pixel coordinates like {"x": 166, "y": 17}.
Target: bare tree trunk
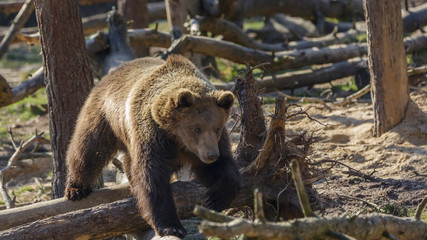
{"x": 135, "y": 11}
{"x": 68, "y": 74}
{"x": 387, "y": 63}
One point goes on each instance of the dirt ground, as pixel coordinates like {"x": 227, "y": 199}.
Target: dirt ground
{"x": 397, "y": 160}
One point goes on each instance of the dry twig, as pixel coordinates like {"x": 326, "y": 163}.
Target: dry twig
{"x": 420, "y": 209}
{"x": 19, "y": 150}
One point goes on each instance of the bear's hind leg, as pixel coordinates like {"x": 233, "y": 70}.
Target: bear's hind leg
{"x": 92, "y": 146}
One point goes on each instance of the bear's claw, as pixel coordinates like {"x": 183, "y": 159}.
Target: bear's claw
{"x": 175, "y": 231}
{"x": 76, "y": 192}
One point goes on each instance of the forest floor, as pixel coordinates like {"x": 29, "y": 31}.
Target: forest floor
{"x": 396, "y": 162}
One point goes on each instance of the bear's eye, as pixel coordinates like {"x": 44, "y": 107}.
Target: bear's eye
{"x": 217, "y": 130}
{"x": 198, "y": 130}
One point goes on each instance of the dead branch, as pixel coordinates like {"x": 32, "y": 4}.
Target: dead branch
{"x": 24, "y": 89}
{"x": 296, "y": 79}
{"x": 259, "y": 206}
{"x": 231, "y": 32}
{"x": 351, "y": 171}
{"x": 237, "y": 10}
{"x": 17, "y": 24}
{"x": 375, "y": 206}
{"x": 210, "y": 215}
{"x": 330, "y": 39}
{"x": 354, "y": 96}
{"x": 299, "y": 185}
{"x": 19, "y": 149}
{"x": 417, "y": 70}
{"x": 420, "y": 208}
{"x": 275, "y": 138}
{"x": 360, "y": 227}
{"x": 253, "y": 127}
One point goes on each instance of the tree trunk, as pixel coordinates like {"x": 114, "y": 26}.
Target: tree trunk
{"x": 68, "y": 75}
{"x": 387, "y": 63}
{"x": 135, "y": 11}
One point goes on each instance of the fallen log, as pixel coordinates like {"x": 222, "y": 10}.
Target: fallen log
{"x": 90, "y": 218}
{"x": 292, "y": 59}
{"x": 292, "y": 80}
{"x": 34, "y": 212}
{"x": 327, "y": 40}
{"x": 91, "y": 24}
{"x": 233, "y": 33}
{"x": 238, "y": 10}
{"x": 415, "y": 19}
{"x": 243, "y": 55}
{"x": 367, "y": 227}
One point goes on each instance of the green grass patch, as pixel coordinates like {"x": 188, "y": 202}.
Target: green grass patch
{"x": 396, "y": 210}
{"x": 23, "y": 189}
{"x": 362, "y": 37}
{"x": 16, "y": 57}
{"x": 230, "y": 70}
{"x": 268, "y": 100}
{"x": 163, "y": 26}
{"x": 253, "y": 23}
{"x": 348, "y": 86}
{"x": 23, "y": 110}
{"x": 332, "y": 20}
{"x": 411, "y": 213}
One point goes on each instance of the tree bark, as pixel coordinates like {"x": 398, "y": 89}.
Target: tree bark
{"x": 387, "y": 63}
{"x": 253, "y": 129}
{"x": 68, "y": 74}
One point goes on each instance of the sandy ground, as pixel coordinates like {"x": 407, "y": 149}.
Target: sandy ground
{"x": 397, "y": 160}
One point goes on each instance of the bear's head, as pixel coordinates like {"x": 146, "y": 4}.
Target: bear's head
{"x": 197, "y": 122}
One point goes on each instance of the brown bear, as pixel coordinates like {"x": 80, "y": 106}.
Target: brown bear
{"x": 162, "y": 116}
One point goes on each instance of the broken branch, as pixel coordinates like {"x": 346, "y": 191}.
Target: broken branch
{"x": 367, "y": 227}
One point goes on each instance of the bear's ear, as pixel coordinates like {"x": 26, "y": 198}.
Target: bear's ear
{"x": 184, "y": 98}
{"x": 224, "y": 99}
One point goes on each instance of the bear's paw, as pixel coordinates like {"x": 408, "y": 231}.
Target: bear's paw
{"x": 172, "y": 231}
{"x": 76, "y": 192}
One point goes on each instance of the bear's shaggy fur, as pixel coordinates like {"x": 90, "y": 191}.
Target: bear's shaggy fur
{"x": 162, "y": 116}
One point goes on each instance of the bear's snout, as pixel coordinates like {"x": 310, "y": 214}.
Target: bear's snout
{"x": 213, "y": 155}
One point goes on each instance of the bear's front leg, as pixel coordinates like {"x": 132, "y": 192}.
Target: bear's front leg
{"x": 150, "y": 183}
{"x": 222, "y": 177}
